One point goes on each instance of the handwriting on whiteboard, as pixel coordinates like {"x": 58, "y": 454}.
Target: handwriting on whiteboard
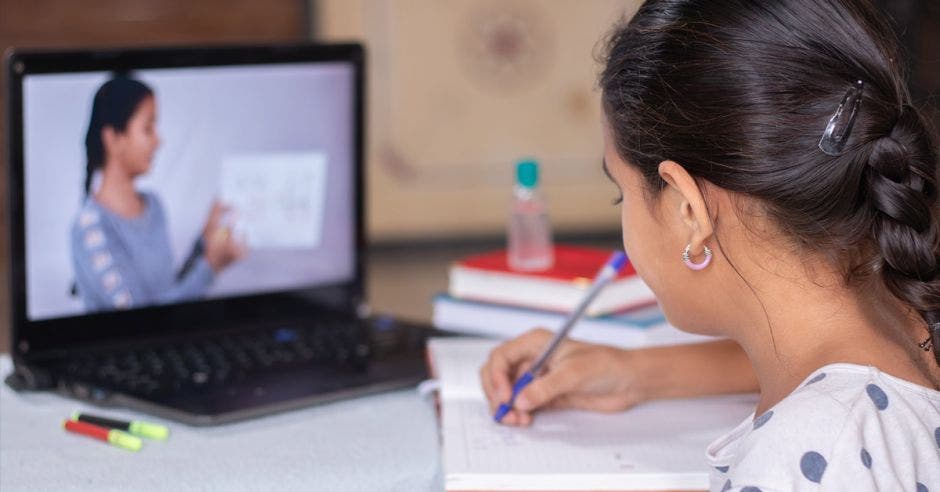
{"x": 278, "y": 199}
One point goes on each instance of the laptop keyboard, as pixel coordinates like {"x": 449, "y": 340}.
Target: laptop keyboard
{"x": 189, "y": 365}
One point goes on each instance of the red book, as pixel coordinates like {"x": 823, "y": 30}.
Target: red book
{"x": 488, "y": 278}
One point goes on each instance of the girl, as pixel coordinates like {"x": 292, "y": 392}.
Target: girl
{"x": 120, "y": 246}
{"x": 778, "y": 189}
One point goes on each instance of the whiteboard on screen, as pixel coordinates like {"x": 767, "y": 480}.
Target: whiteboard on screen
{"x": 277, "y": 200}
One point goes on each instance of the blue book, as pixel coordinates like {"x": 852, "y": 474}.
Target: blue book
{"x": 642, "y": 327}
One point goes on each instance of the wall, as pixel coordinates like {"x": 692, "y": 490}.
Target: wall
{"x": 460, "y": 90}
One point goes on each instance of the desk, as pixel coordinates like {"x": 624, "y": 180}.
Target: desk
{"x": 387, "y": 442}
{"x": 376, "y": 443}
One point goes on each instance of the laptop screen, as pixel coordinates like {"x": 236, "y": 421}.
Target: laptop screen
{"x": 160, "y": 186}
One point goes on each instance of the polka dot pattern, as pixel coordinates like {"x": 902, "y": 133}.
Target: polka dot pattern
{"x": 817, "y": 378}
{"x": 760, "y": 421}
{"x": 813, "y": 465}
{"x": 878, "y": 396}
{"x": 801, "y": 448}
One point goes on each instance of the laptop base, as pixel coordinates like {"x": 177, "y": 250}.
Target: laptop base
{"x": 396, "y": 359}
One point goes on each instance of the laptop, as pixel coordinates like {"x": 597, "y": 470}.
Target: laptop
{"x": 187, "y": 231}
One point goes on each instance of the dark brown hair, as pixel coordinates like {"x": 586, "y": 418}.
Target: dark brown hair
{"x": 114, "y": 104}
{"x": 740, "y": 91}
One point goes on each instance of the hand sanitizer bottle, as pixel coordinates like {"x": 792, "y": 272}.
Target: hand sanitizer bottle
{"x": 530, "y": 233}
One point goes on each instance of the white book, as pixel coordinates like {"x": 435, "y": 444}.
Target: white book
{"x": 644, "y": 327}
{"x": 654, "y": 446}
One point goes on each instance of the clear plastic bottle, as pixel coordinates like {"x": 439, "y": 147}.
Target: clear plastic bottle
{"x": 530, "y": 232}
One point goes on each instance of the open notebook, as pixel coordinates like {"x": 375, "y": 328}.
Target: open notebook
{"x": 655, "y": 446}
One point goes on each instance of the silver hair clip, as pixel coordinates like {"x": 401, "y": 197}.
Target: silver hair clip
{"x": 840, "y": 125}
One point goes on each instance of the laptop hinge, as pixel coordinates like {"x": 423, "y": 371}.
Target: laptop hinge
{"x": 29, "y": 377}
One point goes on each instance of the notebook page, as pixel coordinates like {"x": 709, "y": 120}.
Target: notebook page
{"x": 659, "y": 445}
{"x": 457, "y": 363}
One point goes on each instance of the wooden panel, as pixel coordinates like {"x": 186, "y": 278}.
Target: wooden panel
{"x": 106, "y": 23}
{"x": 144, "y": 22}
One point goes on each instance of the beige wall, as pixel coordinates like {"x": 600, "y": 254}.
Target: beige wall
{"x": 459, "y": 90}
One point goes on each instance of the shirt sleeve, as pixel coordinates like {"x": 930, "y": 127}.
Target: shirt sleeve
{"x": 105, "y": 280}
{"x": 108, "y": 279}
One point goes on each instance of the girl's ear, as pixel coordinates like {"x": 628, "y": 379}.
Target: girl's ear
{"x": 692, "y": 209}
{"x": 109, "y": 140}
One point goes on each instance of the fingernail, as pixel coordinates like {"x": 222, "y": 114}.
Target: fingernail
{"x": 522, "y": 403}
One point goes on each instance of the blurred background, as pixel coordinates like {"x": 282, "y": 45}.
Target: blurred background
{"x": 458, "y": 91}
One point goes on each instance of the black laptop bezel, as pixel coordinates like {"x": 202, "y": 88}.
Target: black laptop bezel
{"x": 54, "y": 337}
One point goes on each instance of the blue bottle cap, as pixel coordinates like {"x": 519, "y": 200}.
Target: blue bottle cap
{"x": 527, "y": 173}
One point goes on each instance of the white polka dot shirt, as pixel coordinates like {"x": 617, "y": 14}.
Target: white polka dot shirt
{"x": 846, "y": 427}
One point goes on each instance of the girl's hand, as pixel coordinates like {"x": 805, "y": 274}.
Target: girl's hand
{"x": 216, "y": 213}
{"x": 578, "y": 375}
{"x": 222, "y": 248}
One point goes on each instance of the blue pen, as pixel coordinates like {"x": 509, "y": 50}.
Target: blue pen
{"x": 607, "y": 273}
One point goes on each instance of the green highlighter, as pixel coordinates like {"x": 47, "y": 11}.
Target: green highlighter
{"x": 136, "y": 427}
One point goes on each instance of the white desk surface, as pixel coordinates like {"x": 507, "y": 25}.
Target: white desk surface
{"x": 376, "y": 443}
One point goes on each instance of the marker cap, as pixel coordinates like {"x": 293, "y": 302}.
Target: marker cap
{"x": 148, "y": 430}
{"x": 112, "y": 437}
{"x": 124, "y": 440}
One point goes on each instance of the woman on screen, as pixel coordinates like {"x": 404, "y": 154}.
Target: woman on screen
{"x": 120, "y": 246}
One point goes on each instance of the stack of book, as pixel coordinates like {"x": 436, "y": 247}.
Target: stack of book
{"x": 486, "y": 297}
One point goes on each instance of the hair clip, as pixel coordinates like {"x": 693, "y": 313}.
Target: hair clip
{"x": 840, "y": 125}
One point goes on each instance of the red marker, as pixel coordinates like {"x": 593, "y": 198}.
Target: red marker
{"x": 110, "y": 436}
